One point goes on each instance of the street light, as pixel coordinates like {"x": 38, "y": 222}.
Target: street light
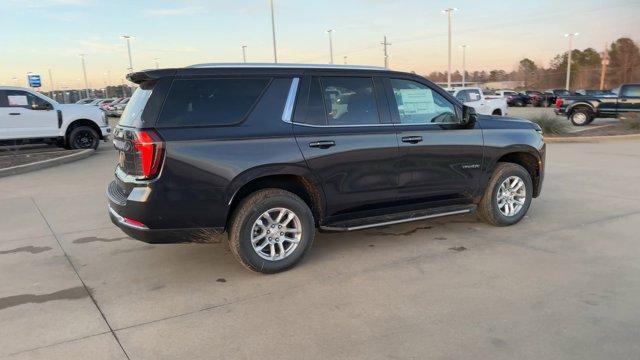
{"x": 464, "y": 64}
{"x": 244, "y": 53}
{"x": 570, "y": 36}
{"x": 84, "y": 72}
{"x": 330, "y": 32}
{"x": 273, "y": 33}
{"x": 449, "y": 12}
{"x": 128, "y": 39}
{"x": 155, "y": 61}
{"x": 345, "y": 59}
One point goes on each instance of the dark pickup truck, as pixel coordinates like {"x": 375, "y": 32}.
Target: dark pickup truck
{"x": 581, "y": 110}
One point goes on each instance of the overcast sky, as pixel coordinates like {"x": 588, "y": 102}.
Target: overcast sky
{"x": 39, "y": 34}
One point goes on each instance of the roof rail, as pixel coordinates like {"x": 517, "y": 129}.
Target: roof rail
{"x": 286, "y": 66}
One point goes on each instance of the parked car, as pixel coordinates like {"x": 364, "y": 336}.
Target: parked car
{"x": 104, "y": 106}
{"x": 102, "y": 102}
{"x": 536, "y": 98}
{"x": 118, "y": 109}
{"x": 84, "y": 101}
{"x": 553, "y": 94}
{"x": 514, "y": 98}
{"x": 581, "y": 109}
{"x": 111, "y": 108}
{"x": 29, "y": 116}
{"x": 268, "y": 153}
{"x": 485, "y": 105}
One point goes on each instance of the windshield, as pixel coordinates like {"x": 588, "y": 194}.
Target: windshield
{"x": 135, "y": 106}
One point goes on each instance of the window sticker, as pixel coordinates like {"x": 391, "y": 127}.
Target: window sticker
{"x": 17, "y": 100}
{"x": 415, "y": 102}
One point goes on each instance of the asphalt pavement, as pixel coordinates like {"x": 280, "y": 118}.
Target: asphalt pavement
{"x": 562, "y": 284}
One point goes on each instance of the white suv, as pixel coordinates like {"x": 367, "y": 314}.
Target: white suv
{"x": 29, "y": 115}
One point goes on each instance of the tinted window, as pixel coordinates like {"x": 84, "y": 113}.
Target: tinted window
{"x": 136, "y": 105}
{"x": 419, "y": 104}
{"x": 210, "y": 101}
{"x": 22, "y": 99}
{"x": 631, "y": 90}
{"x": 469, "y": 95}
{"x": 349, "y": 101}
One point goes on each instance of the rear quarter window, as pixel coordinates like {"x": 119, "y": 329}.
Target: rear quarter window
{"x": 210, "y": 102}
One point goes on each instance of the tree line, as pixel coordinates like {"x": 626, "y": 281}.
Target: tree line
{"x": 622, "y": 66}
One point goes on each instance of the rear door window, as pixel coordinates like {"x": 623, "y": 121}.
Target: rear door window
{"x": 349, "y": 101}
{"x": 631, "y": 91}
{"x": 210, "y": 102}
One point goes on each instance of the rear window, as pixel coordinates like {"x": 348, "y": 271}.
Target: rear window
{"x": 135, "y": 106}
{"x": 198, "y": 102}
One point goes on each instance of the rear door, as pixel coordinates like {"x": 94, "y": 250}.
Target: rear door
{"x": 23, "y": 116}
{"x": 347, "y": 139}
{"x": 439, "y": 160}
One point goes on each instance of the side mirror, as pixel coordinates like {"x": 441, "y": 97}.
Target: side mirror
{"x": 43, "y": 106}
{"x": 469, "y": 116}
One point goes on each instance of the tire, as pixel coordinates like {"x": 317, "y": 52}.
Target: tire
{"x": 497, "y": 112}
{"x": 581, "y": 117}
{"x": 244, "y": 224}
{"x": 83, "y": 137}
{"x": 489, "y": 209}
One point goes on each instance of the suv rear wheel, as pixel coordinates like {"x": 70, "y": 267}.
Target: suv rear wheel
{"x": 271, "y": 230}
{"x": 507, "y": 197}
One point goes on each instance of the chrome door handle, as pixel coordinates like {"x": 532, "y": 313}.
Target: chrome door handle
{"x": 322, "y": 144}
{"x": 412, "y": 139}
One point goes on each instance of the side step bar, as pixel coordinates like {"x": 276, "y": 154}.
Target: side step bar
{"x": 395, "y": 219}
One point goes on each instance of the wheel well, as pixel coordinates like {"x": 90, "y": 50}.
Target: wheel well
{"x": 530, "y": 163}
{"x": 298, "y": 185}
{"x": 497, "y": 112}
{"x": 580, "y": 106}
{"x": 82, "y": 122}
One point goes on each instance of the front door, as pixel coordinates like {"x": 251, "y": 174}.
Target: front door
{"x": 439, "y": 159}
{"x": 629, "y": 99}
{"x": 348, "y": 141}
{"x": 23, "y": 116}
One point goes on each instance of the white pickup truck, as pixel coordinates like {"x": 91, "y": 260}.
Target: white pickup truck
{"x": 485, "y": 105}
{"x": 32, "y": 117}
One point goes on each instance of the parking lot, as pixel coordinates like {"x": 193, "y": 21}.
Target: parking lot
{"x": 563, "y": 283}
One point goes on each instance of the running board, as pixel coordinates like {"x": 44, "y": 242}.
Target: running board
{"x": 359, "y": 224}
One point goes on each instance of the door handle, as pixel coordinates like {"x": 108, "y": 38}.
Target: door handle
{"x": 623, "y": 100}
{"x": 412, "y": 139}
{"x": 322, "y": 144}
{"x": 14, "y": 113}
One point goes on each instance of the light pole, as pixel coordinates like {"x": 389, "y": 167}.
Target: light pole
{"x": 155, "y": 61}
{"x": 464, "y": 64}
{"x": 128, "y": 39}
{"x": 330, "y": 32}
{"x": 84, "y": 73}
{"x": 53, "y": 89}
{"x": 386, "y": 54}
{"x": 273, "y": 33}
{"x": 15, "y": 81}
{"x": 449, "y": 12}
{"x": 244, "y": 53}
{"x": 106, "y": 86}
{"x": 345, "y": 59}
{"x": 570, "y": 36}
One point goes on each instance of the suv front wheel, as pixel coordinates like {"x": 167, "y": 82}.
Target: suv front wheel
{"x": 507, "y": 197}
{"x": 271, "y": 230}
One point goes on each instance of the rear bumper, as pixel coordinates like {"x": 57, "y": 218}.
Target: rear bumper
{"x": 134, "y": 215}
{"x": 104, "y": 132}
{"x": 162, "y": 236}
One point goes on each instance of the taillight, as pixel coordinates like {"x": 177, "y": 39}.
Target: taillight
{"x": 150, "y": 150}
{"x": 558, "y": 103}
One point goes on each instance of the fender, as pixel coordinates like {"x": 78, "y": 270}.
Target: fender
{"x": 588, "y": 104}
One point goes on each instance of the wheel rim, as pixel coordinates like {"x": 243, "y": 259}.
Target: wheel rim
{"x": 276, "y": 234}
{"x": 511, "y": 196}
{"x": 84, "y": 139}
{"x": 579, "y": 118}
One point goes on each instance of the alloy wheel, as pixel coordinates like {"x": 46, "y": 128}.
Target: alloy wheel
{"x": 511, "y": 196}
{"x": 276, "y": 234}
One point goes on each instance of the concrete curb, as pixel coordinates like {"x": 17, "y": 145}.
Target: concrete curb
{"x": 591, "y": 138}
{"x": 21, "y": 169}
